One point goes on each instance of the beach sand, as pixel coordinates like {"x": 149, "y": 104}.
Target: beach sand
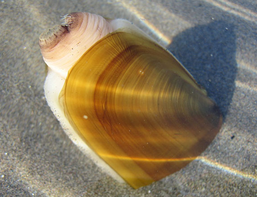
{"x": 214, "y": 39}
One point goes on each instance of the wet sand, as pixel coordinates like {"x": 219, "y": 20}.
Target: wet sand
{"x": 215, "y": 40}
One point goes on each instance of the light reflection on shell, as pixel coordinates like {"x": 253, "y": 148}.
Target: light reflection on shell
{"x": 126, "y": 99}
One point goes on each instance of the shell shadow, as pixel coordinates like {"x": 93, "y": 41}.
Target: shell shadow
{"x": 208, "y": 52}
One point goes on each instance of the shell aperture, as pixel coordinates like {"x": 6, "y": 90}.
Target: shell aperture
{"x": 134, "y": 105}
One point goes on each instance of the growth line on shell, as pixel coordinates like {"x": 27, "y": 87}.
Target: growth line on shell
{"x": 140, "y": 159}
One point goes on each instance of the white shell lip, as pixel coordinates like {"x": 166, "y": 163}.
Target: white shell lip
{"x": 53, "y": 87}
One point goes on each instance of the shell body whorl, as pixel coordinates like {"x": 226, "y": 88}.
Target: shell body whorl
{"x": 135, "y": 106}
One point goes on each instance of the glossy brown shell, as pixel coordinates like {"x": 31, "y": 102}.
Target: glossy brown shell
{"x": 137, "y": 108}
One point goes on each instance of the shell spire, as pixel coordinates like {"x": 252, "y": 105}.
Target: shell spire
{"x": 64, "y": 44}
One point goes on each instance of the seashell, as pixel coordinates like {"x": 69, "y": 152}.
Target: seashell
{"x": 125, "y": 101}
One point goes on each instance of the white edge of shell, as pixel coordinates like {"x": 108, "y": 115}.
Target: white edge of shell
{"x": 53, "y": 86}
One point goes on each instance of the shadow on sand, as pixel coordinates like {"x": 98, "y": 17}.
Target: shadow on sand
{"x": 208, "y": 52}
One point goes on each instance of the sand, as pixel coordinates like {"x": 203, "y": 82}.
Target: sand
{"x": 215, "y": 40}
